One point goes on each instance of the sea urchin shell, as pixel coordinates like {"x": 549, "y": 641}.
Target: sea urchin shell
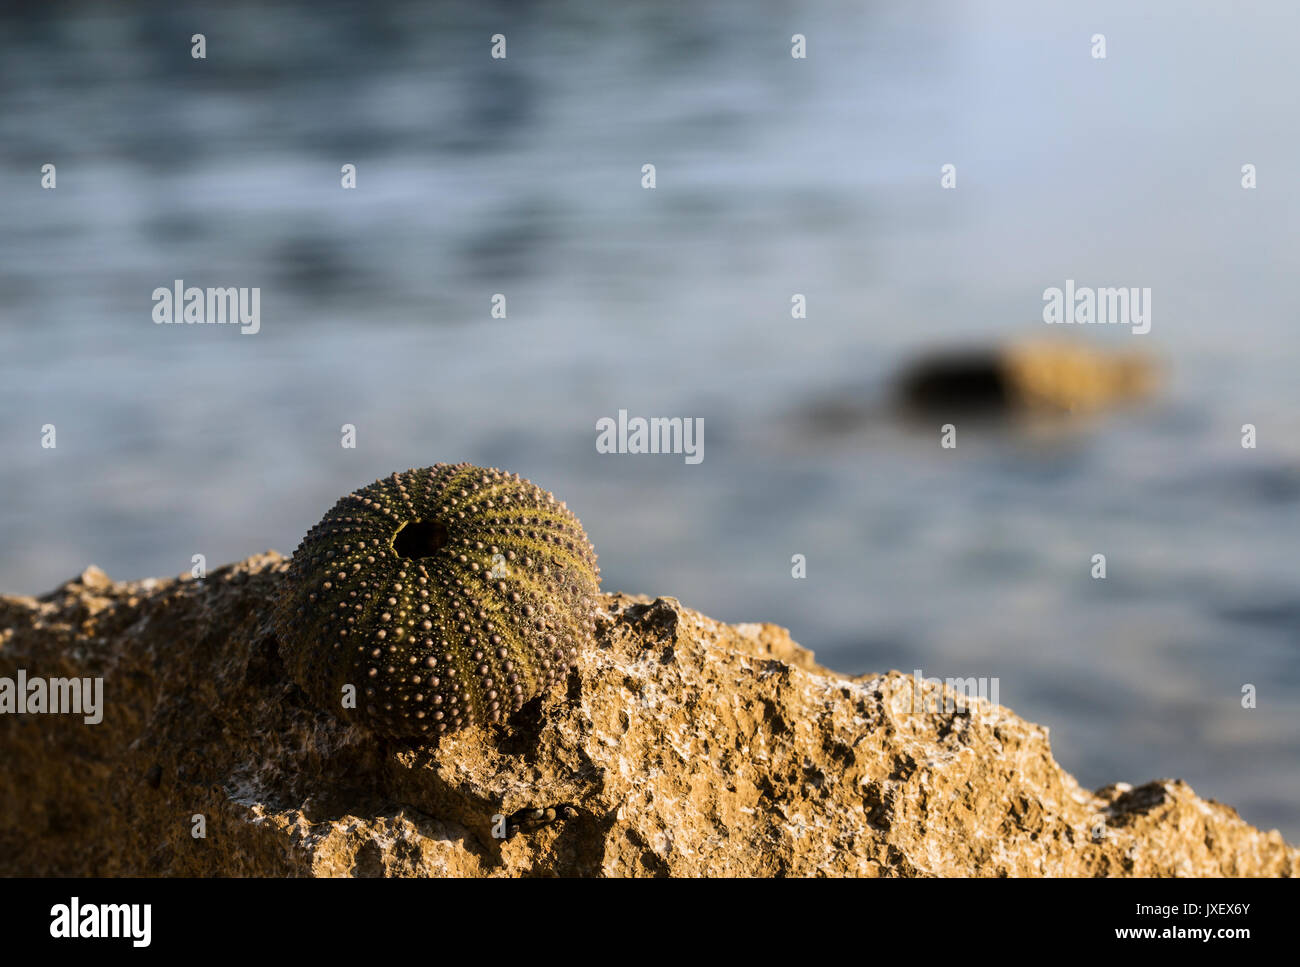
{"x": 448, "y": 596}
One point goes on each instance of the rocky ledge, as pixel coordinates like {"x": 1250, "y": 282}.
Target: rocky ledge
{"x": 682, "y": 747}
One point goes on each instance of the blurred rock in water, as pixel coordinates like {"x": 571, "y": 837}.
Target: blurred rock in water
{"x": 1033, "y": 377}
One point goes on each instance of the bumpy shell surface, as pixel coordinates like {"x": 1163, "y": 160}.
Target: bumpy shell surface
{"x": 448, "y": 596}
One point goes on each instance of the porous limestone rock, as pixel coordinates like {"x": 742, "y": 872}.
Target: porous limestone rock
{"x": 681, "y": 746}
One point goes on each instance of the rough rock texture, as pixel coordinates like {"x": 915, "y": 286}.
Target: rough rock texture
{"x": 683, "y": 747}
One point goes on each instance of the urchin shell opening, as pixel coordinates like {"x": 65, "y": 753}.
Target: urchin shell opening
{"x": 419, "y": 538}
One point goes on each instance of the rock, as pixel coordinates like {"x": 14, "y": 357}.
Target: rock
{"x": 92, "y": 578}
{"x": 682, "y": 747}
{"x": 1035, "y": 377}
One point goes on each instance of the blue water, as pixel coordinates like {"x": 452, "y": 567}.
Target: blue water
{"x": 774, "y": 176}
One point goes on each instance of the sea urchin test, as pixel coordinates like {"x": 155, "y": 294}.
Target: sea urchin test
{"x": 448, "y": 596}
